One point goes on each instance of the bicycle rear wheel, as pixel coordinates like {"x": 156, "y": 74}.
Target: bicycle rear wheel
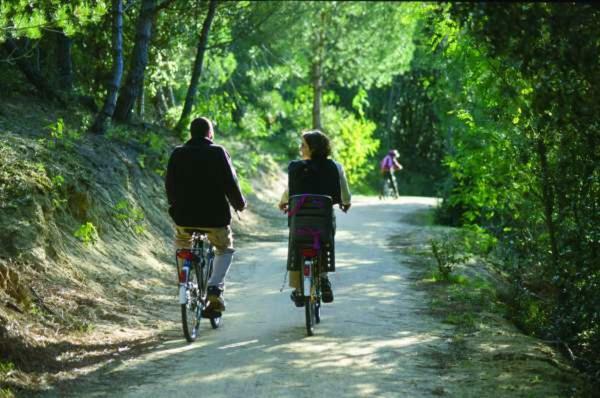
{"x": 310, "y": 297}
{"x": 309, "y": 311}
{"x": 190, "y": 311}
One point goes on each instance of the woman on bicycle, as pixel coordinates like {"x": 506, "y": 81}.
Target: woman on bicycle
{"x": 315, "y": 174}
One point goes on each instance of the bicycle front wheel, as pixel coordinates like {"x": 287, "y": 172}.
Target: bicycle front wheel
{"x": 191, "y": 310}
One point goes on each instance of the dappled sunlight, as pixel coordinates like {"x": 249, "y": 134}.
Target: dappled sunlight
{"x": 391, "y": 278}
{"x": 369, "y": 337}
{"x": 230, "y": 375}
{"x": 236, "y": 345}
{"x": 494, "y": 347}
{"x": 354, "y": 262}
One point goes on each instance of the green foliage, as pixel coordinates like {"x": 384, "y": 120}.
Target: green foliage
{"x": 358, "y": 43}
{"x": 463, "y": 320}
{"x": 130, "y": 215}
{"x": 22, "y": 18}
{"x": 519, "y": 124}
{"x": 6, "y": 367}
{"x": 81, "y": 326}
{"x": 58, "y": 199}
{"x": 448, "y": 253}
{"x": 353, "y": 142}
{"x": 245, "y": 186}
{"x": 60, "y": 136}
{"x": 86, "y": 233}
{"x": 154, "y": 153}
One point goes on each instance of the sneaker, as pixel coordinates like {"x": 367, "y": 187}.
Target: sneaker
{"x": 214, "y": 296}
{"x": 297, "y": 298}
{"x": 326, "y": 292}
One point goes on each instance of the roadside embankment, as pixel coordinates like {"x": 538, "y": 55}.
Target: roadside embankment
{"x": 86, "y": 242}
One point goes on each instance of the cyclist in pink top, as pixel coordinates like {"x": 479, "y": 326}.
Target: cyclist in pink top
{"x": 389, "y": 164}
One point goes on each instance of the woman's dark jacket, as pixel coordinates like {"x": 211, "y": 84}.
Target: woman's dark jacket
{"x": 315, "y": 176}
{"x": 199, "y": 182}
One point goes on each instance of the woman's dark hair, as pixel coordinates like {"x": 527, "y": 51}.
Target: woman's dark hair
{"x": 318, "y": 143}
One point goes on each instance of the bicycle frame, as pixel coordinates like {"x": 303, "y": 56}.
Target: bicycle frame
{"x": 193, "y": 277}
{"x": 310, "y": 271}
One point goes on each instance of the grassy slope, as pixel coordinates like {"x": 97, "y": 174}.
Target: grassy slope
{"x": 65, "y": 304}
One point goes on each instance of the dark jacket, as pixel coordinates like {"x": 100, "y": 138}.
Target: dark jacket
{"x": 199, "y": 182}
{"x": 314, "y": 176}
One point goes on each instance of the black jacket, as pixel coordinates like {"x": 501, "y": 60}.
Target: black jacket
{"x": 319, "y": 176}
{"x": 199, "y": 182}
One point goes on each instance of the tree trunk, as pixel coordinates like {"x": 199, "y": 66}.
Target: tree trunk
{"x": 197, "y": 71}
{"x": 170, "y": 96}
{"x": 141, "y": 102}
{"x": 139, "y": 59}
{"x": 99, "y": 126}
{"x": 317, "y": 83}
{"x": 388, "y": 121}
{"x": 160, "y": 101}
{"x": 64, "y": 61}
{"x": 317, "y": 75}
{"x": 548, "y": 197}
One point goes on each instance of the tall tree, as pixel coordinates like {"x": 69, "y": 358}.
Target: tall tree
{"x": 129, "y": 93}
{"x": 137, "y": 65}
{"x": 99, "y": 126}
{"x": 347, "y": 43}
{"x": 197, "y": 69}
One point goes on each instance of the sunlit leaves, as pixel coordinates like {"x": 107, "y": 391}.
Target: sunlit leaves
{"x": 353, "y": 142}
{"x": 29, "y": 19}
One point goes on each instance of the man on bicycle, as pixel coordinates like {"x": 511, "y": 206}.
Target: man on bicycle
{"x": 201, "y": 184}
{"x": 389, "y": 164}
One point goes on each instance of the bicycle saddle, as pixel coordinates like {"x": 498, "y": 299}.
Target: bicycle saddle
{"x": 199, "y": 231}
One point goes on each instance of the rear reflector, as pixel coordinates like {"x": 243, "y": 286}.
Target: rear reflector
{"x": 309, "y": 252}
{"x": 306, "y": 270}
{"x": 185, "y": 255}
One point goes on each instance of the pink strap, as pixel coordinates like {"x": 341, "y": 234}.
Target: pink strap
{"x": 299, "y": 204}
{"x": 315, "y": 233}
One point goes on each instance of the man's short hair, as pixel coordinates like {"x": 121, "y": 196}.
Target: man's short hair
{"x": 200, "y": 127}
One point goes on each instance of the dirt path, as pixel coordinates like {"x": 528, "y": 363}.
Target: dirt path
{"x": 375, "y": 340}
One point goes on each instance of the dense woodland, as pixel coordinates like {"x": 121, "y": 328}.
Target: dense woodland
{"x": 493, "y": 107}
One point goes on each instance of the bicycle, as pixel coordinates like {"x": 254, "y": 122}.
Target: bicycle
{"x": 389, "y": 187}
{"x": 193, "y": 277}
{"x": 312, "y": 245}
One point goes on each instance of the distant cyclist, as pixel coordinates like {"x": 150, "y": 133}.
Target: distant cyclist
{"x": 315, "y": 174}
{"x": 389, "y": 164}
{"x": 201, "y": 184}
